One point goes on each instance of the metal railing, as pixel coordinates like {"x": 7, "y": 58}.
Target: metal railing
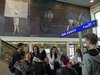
{"x": 6, "y": 51}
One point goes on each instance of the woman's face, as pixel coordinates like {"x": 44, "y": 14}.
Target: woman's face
{"x": 28, "y": 57}
{"x": 54, "y": 50}
{"x": 78, "y": 54}
{"x": 35, "y": 49}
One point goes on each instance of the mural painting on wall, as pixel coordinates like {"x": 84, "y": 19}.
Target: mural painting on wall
{"x": 54, "y": 18}
{"x": 46, "y": 19}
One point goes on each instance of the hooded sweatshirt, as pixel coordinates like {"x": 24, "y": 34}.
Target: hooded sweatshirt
{"x": 91, "y": 59}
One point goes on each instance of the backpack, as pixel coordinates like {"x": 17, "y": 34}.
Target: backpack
{"x": 10, "y": 66}
{"x": 11, "y": 69}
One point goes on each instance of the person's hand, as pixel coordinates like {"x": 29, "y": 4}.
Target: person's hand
{"x": 46, "y": 60}
{"x": 64, "y": 65}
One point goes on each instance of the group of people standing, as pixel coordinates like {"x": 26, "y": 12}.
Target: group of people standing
{"x": 38, "y": 63}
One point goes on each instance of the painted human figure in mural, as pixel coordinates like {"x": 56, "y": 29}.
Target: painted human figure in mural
{"x": 49, "y": 14}
{"x": 46, "y": 21}
{"x": 16, "y": 23}
{"x": 80, "y": 19}
{"x": 71, "y": 22}
{"x": 77, "y": 21}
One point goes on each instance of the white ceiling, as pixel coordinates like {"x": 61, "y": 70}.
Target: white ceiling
{"x": 84, "y": 3}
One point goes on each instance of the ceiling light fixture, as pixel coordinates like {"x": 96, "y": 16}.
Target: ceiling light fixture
{"x": 91, "y": 1}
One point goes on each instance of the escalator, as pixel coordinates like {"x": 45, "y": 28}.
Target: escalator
{"x": 6, "y": 51}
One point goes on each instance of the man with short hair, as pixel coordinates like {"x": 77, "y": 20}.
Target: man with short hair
{"x": 91, "y": 59}
{"x": 18, "y": 56}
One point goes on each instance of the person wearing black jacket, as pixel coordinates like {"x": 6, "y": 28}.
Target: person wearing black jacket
{"x": 18, "y": 56}
{"x": 45, "y": 61}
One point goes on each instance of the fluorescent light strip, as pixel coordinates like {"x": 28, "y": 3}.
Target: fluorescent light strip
{"x": 91, "y": 1}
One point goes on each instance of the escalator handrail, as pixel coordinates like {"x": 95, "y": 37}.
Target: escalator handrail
{"x": 8, "y": 44}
